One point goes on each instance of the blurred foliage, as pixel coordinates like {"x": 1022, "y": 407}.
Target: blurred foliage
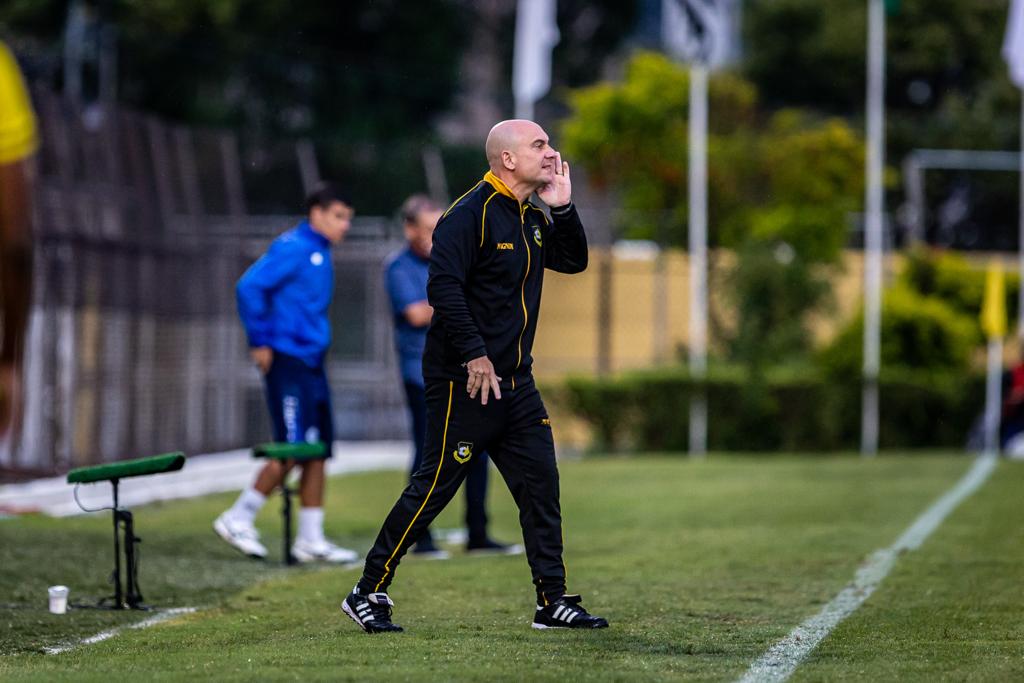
{"x": 795, "y": 410}
{"x": 772, "y": 292}
{"x": 366, "y": 80}
{"x": 945, "y": 79}
{"x": 590, "y": 31}
{"x": 930, "y": 317}
{"x": 937, "y": 50}
{"x": 274, "y": 66}
{"x": 779, "y": 190}
{"x": 951, "y": 278}
{"x": 947, "y": 87}
{"x": 918, "y": 332}
{"x": 792, "y": 179}
{"x": 826, "y": 49}
{"x": 632, "y": 138}
{"x": 810, "y": 179}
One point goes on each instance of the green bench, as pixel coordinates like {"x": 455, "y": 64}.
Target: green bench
{"x": 131, "y": 596}
{"x": 288, "y": 452}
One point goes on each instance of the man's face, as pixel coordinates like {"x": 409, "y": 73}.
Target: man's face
{"x": 535, "y": 159}
{"x": 332, "y": 221}
{"x": 420, "y": 231}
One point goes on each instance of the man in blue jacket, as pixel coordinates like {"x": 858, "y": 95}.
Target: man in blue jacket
{"x": 283, "y": 301}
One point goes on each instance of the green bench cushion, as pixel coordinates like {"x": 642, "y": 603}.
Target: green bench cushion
{"x": 167, "y": 462}
{"x": 290, "y": 451}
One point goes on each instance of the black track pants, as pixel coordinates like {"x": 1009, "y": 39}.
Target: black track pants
{"x": 516, "y": 432}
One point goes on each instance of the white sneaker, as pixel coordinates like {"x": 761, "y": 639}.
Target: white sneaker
{"x": 322, "y": 551}
{"x": 241, "y": 535}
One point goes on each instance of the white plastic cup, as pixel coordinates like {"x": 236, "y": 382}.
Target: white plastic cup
{"x": 58, "y": 599}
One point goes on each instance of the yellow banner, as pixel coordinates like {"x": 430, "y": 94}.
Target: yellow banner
{"x": 993, "y": 310}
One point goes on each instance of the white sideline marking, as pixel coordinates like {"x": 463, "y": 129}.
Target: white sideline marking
{"x": 782, "y": 659}
{"x": 106, "y": 635}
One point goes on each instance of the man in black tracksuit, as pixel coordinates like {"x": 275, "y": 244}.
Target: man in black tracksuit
{"x": 486, "y": 270}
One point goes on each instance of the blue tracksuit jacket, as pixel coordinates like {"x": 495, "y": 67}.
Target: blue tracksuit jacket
{"x": 284, "y": 297}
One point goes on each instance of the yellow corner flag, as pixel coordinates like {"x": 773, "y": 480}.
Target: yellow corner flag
{"x": 993, "y": 310}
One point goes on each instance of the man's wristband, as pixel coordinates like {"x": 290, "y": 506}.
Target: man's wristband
{"x": 562, "y": 211}
{"x": 479, "y": 352}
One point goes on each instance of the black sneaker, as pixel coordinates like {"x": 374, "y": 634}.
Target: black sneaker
{"x": 489, "y": 546}
{"x": 566, "y": 612}
{"x": 372, "y": 612}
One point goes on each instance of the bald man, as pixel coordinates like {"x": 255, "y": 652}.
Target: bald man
{"x": 486, "y": 269}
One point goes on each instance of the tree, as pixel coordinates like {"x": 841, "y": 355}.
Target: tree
{"x": 946, "y": 83}
{"x": 780, "y": 191}
{"x": 793, "y": 179}
{"x": 364, "y": 68}
{"x": 631, "y": 138}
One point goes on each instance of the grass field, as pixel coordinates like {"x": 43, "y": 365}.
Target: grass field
{"x": 699, "y": 566}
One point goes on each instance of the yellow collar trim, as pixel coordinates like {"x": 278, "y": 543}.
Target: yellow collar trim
{"x": 500, "y": 186}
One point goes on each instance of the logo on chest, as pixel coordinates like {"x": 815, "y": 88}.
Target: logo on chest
{"x": 505, "y": 246}
{"x": 316, "y": 258}
{"x": 537, "y": 236}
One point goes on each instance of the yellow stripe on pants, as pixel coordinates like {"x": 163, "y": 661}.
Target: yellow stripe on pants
{"x": 440, "y": 462}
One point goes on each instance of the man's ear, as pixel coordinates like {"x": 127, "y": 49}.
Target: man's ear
{"x": 508, "y": 160}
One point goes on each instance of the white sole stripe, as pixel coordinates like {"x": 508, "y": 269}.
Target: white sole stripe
{"x": 107, "y": 635}
{"x": 782, "y": 659}
{"x": 352, "y": 615}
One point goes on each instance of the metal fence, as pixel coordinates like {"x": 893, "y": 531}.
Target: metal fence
{"x": 134, "y": 344}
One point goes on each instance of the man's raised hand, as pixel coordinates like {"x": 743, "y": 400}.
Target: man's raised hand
{"x": 559, "y": 191}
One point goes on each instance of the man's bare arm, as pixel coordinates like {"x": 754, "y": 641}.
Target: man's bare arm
{"x": 418, "y": 314}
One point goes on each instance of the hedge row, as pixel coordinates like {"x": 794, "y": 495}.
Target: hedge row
{"x": 797, "y": 411}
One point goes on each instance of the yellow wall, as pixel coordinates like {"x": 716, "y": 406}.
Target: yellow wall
{"x": 567, "y": 336}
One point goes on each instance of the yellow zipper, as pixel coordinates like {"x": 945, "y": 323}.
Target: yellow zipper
{"x": 526, "y": 316}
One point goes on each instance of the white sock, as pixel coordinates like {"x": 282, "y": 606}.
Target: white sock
{"x": 247, "y": 506}
{"x": 311, "y": 524}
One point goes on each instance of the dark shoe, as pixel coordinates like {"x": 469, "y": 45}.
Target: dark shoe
{"x": 372, "y": 612}
{"x": 566, "y": 612}
{"x": 489, "y": 546}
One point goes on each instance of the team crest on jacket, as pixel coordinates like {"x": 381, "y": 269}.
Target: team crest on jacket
{"x": 537, "y": 236}
{"x": 464, "y": 452}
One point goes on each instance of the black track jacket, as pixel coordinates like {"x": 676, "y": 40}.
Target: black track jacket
{"x": 486, "y": 271}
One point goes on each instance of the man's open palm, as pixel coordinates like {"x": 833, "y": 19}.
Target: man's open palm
{"x": 559, "y": 191}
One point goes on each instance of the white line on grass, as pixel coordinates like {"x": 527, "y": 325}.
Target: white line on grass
{"x": 106, "y": 635}
{"x": 782, "y": 659}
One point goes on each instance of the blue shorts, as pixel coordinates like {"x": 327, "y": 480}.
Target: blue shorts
{"x": 300, "y": 402}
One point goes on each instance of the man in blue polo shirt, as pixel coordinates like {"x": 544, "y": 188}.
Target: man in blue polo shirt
{"x": 405, "y": 274}
{"x": 283, "y": 300}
